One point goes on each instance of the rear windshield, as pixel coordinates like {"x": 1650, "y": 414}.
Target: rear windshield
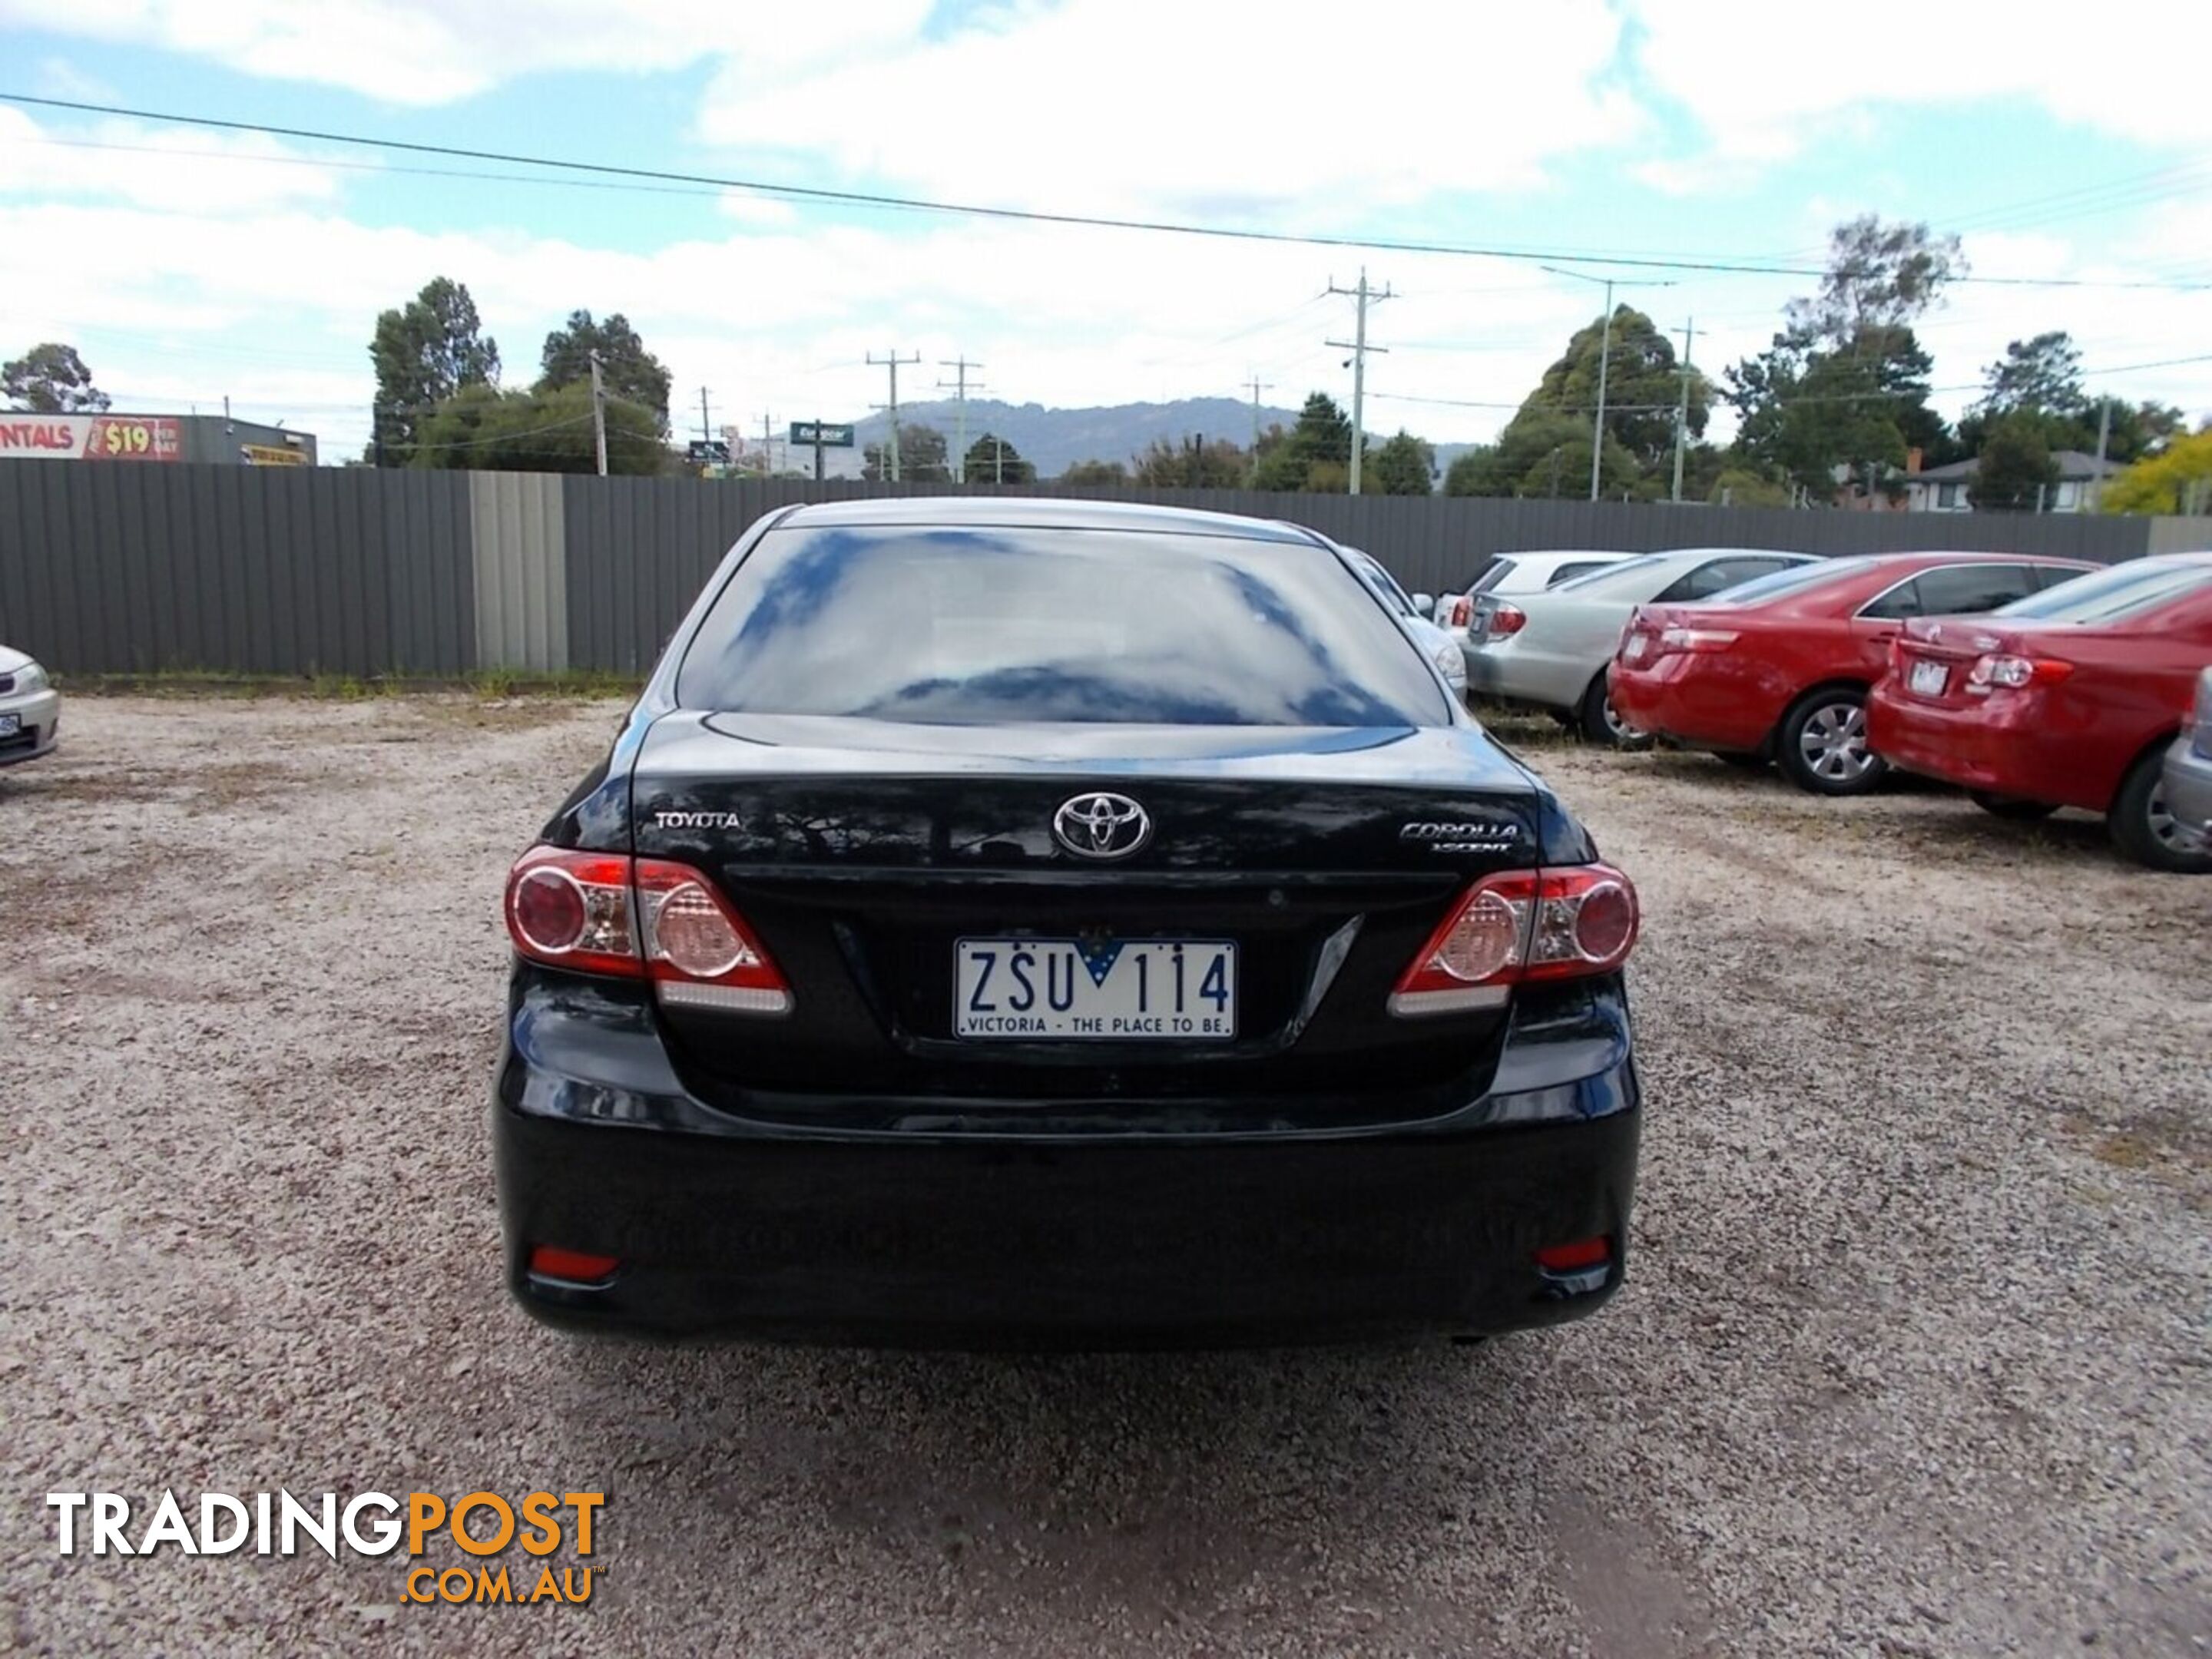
{"x": 1628, "y": 572}
{"x": 984, "y": 625}
{"x": 2106, "y": 595}
{"x": 1795, "y": 579}
{"x": 1499, "y": 569}
{"x": 1567, "y": 572}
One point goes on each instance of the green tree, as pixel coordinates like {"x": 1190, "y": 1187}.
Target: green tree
{"x": 627, "y": 369}
{"x": 1878, "y": 276}
{"x": 991, "y": 459}
{"x": 1739, "y": 486}
{"x": 51, "y": 378}
{"x": 2177, "y": 479}
{"x": 423, "y": 353}
{"x": 2016, "y": 471}
{"x": 1544, "y": 453}
{"x": 1405, "y": 466}
{"x": 1643, "y": 387}
{"x": 482, "y": 428}
{"x": 921, "y": 457}
{"x": 1844, "y": 384}
{"x": 2041, "y": 376}
{"x": 1092, "y": 474}
{"x": 1321, "y": 439}
{"x": 1209, "y": 464}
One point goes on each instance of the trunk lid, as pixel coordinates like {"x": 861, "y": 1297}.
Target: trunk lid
{"x": 863, "y": 852}
{"x": 1932, "y": 658}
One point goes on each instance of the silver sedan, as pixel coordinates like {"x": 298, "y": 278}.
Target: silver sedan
{"x": 1551, "y": 649}
{"x": 2188, "y": 776}
{"x": 30, "y": 709}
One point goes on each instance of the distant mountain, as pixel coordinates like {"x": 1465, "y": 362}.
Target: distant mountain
{"x": 1055, "y": 439}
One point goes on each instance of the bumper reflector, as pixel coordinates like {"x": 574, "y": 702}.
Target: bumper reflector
{"x": 1575, "y": 1257}
{"x": 577, "y": 1267}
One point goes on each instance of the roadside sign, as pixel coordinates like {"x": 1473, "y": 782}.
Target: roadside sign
{"x": 710, "y": 451}
{"x": 821, "y": 434}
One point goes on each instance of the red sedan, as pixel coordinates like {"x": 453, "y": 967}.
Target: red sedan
{"x": 1778, "y": 669}
{"x": 2068, "y": 698}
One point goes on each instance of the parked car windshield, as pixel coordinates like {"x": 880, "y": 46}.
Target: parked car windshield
{"x": 1499, "y": 569}
{"x": 972, "y": 626}
{"x": 2107, "y": 595}
{"x": 1782, "y": 583}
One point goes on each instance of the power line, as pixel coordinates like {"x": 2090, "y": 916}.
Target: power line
{"x": 1031, "y": 216}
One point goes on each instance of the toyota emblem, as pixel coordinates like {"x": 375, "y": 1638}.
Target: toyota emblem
{"x": 1101, "y": 826}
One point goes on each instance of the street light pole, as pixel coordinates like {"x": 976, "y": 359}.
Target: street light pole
{"x": 1604, "y": 360}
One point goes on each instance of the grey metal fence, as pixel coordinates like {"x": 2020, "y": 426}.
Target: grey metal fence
{"x": 117, "y": 568}
{"x": 138, "y": 568}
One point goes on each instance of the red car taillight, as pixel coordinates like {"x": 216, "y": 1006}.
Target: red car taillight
{"x": 2014, "y": 673}
{"x": 1462, "y": 610}
{"x": 605, "y": 913}
{"x": 1508, "y": 619}
{"x": 1518, "y": 926}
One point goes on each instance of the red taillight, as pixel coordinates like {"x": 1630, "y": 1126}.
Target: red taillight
{"x": 1574, "y": 1258}
{"x": 2010, "y": 674}
{"x": 578, "y": 1267}
{"x": 1518, "y": 926}
{"x": 699, "y": 952}
{"x": 1462, "y": 609}
{"x": 603, "y": 913}
{"x": 1508, "y": 619}
{"x": 574, "y": 911}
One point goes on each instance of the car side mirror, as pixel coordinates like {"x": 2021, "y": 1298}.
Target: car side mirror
{"x": 1424, "y": 605}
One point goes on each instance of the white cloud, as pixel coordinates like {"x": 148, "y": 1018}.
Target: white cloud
{"x": 166, "y": 167}
{"x": 435, "y": 51}
{"x": 1762, "y": 77}
{"x": 1122, "y": 106}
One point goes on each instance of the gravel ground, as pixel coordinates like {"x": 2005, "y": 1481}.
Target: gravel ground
{"x": 1913, "y": 1361}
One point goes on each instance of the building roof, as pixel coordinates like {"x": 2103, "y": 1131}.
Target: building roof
{"x": 2073, "y": 466}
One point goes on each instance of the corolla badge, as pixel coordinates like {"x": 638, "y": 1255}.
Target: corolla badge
{"x": 1101, "y": 826}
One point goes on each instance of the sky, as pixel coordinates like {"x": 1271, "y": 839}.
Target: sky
{"x": 188, "y": 266}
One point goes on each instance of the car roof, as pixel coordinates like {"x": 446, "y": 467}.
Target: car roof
{"x": 1037, "y": 513}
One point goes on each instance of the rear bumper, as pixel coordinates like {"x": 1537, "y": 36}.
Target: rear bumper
{"x": 1004, "y": 1237}
{"x": 1976, "y": 750}
{"x": 1503, "y": 671}
{"x": 1691, "y": 700}
{"x": 2189, "y": 785}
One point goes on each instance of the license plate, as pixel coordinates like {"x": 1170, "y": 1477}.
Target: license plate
{"x": 1928, "y": 678}
{"x": 10, "y": 725}
{"x": 1120, "y": 991}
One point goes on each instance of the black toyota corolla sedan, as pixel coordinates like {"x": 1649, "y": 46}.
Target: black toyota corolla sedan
{"x": 1008, "y": 922}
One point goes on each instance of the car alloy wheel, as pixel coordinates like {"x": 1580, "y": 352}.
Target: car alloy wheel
{"x": 1832, "y": 740}
{"x": 2167, "y": 830}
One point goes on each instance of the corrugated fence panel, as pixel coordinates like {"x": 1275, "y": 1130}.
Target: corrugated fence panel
{"x": 521, "y": 580}
{"x": 114, "y": 569}
{"x": 118, "y": 568}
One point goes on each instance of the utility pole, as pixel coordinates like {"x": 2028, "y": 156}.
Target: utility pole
{"x": 599, "y": 413}
{"x": 768, "y": 444}
{"x": 1682, "y": 414}
{"x": 960, "y": 366}
{"x": 706, "y": 429}
{"x": 2096, "y": 486}
{"x": 1257, "y": 388}
{"x": 1358, "y": 347}
{"x": 1604, "y": 359}
{"x": 892, "y": 361}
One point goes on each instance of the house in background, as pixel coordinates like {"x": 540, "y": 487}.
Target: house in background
{"x": 1950, "y": 489}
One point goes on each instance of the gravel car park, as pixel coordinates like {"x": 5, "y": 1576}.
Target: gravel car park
{"x": 1912, "y": 1361}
